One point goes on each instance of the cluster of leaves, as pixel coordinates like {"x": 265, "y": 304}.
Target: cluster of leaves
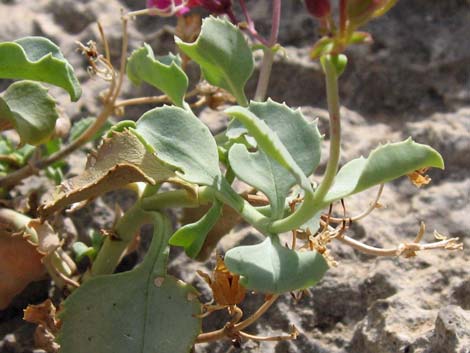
{"x": 269, "y": 146}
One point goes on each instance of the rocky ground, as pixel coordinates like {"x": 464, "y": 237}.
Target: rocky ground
{"x": 413, "y": 81}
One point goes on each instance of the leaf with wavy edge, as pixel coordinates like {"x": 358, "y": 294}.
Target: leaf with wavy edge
{"x": 384, "y": 164}
{"x": 121, "y": 159}
{"x": 302, "y": 141}
{"x": 142, "y": 310}
{"x": 38, "y": 59}
{"x": 181, "y": 141}
{"x": 270, "y": 143}
{"x": 269, "y": 267}
{"x": 163, "y": 73}
{"x": 223, "y": 54}
{"x": 30, "y": 109}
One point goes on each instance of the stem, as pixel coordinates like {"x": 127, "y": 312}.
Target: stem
{"x": 313, "y": 204}
{"x": 177, "y": 198}
{"x": 250, "y": 214}
{"x": 331, "y": 79}
{"x": 218, "y": 334}
{"x": 122, "y": 69}
{"x": 251, "y": 25}
{"x": 299, "y": 217}
{"x": 265, "y": 74}
{"x": 114, "y": 246}
{"x": 143, "y": 100}
{"x": 363, "y": 214}
{"x": 268, "y": 54}
{"x": 261, "y": 310}
{"x": 343, "y": 18}
{"x": 403, "y": 248}
{"x": 276, "y": 20}
{"x": 105, "y": 43}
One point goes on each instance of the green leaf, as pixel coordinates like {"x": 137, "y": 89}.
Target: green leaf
{"x": 38, "y": 59}
{"x": 30, "y": 109}
{"x": 269, "y": 267}
{"x": 270, "y": 143}
{"x": 163, "y": 73}
{"x": 18, "y": 156}
{"x": 223, "y": 54}
{"x": 302, "y": 141}
{"x": 384, "y": 164}
{"x": 192, "y": 236}
{"x": 182, "y": 141}
{"x": 143, "y": 310}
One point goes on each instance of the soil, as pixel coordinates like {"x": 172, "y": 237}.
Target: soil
{"x": 412, "y": 81}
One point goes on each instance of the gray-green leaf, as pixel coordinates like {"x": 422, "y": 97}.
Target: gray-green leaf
{"x": 223, "y": 54}
{"x": 163, "y": 73}
{"x": 302, "y": 141}
{"x": 182, "y": 141}
{"x": 144, "y": 310}
{"x": 384, "y": 164}
{"x": 38, "y": 59}
{"x": 270, "y": 143}
{"x": 31, "y": 111}
{"x": 269, "y": 267}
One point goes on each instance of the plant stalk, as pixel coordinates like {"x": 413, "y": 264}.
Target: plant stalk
{"x": 313, "y": 204}
{"x": 332, "y": 94}
{"x": 116, "y": 244}
{"x": 268, "y": 54}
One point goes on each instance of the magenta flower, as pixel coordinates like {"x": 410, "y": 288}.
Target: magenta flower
{"x": 218, "y": 7}
{"x": 165, "y": 5}
{"x": 318, "y": 8}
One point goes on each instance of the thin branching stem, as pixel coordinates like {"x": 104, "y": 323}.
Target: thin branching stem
{"x": 408, "y": 249}
{"x": 268, "y": 338}
{"x": 363, "y": 214}
{"x": 233, "y": 329}
{"x": 251, "y": 25}
{"x": 122, "y": 67}
{"x": 257, "y": 314}
{"x": 143, "y": 100}
{"x": 107, "y": 54}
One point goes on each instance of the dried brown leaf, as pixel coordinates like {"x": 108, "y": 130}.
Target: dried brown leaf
{"x": 44, "y": 315}
{"x": 120, "y": 160}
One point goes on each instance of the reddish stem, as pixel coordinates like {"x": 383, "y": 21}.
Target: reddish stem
{"x": 343, "y": 17}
